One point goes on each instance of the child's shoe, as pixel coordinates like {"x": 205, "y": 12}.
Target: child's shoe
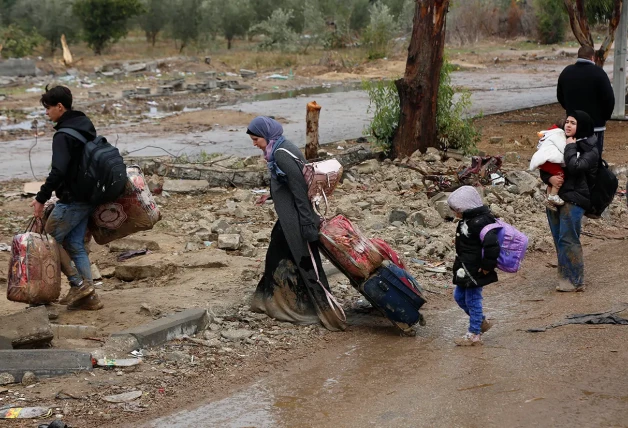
{"x": 556, "y": 200}
{"x": 550, "y": 205}
{"x": 469, "y": 339}
{"x": 486, "y": 326}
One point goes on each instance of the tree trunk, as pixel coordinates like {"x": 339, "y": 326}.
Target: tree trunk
{"x": 229, "y": 42}
{"x": 582, "y": 32}
{"x": 313, "y": 112}
{"x": 418, "y": 88}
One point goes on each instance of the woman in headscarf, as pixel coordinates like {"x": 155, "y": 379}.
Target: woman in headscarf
{"x": 292, "y": 286}
{"x": 581, "y": 160}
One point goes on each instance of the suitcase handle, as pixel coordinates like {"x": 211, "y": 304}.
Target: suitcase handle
{"x": 383, "y": 286}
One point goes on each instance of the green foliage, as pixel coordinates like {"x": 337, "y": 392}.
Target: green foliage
{"x": 551, "y": 21}
{"x": 18, "y": 43}
{"x": 380, "y": 31}
{"x": 384, "y": 104}
{"x": 454, "y": 131}
{"x": 154, "y": 19}
{"x": 278, "y": 35}
{"x": 35, "y": 14}
{"x": 405, "y": 20}
{"x": 105, "y": 21}
{"x": 186, "y": 21}
{"x": 235, "y": 17}
{"x": 314, "y": 26}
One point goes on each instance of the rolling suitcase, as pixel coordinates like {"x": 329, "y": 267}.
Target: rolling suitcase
{"x": 396, "y": 294}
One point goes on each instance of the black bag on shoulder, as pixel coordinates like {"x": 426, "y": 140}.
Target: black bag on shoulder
{"x": 102, "y": 173}
{"x": 602, "y": 190}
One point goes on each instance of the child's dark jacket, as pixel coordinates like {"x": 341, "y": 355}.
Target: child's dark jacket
{"x": 469, "y": 246}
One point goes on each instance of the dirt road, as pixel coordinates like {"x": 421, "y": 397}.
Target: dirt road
{"x": 567, "y": 376}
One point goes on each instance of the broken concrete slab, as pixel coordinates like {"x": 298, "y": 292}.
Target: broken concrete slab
{"x": 524, "y": 181}
{"x": 229, "y": 242}
{"x": 17, "y": 67}
{"x": 132, "y": 244}
{"x": 32, "y": 188}
{"x": 160, "y": 331}
{"x": 236, "y": 335}
{"x": 185, "y": 186}
{"x": 129, "y": 272}
{"x": 62, "y": 331}
{"x": 28, "y": 328}
{"x": 44, "y": 362}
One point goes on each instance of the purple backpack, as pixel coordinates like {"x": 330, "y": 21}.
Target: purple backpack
{"x": 513, "y": 245}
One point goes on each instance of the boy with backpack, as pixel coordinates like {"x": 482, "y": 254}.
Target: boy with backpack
{"x": 476, "y": 259}
{"x": 67, "y": 223}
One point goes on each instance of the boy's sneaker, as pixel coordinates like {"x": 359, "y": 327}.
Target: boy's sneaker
{"x": 77, "y": 293}
{"x": 469, "y": 339}
{"x": 486, "y": 325}
{"x": 89, "y": 303}
{"x": 556, "y": 200}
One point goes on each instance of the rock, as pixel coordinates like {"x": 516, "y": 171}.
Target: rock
{"x": 431, "y": 155}
{"x": 191, "y": 246}
{"x": 369, "y": 167}
{"x": 249, "y": 252}
{"x": 495, "y": 140}
{"x": 236, "y": 335}
{"x": 431, "y": 217}
{"x": 363, "y": 205}
{"x": 27, "y": 328}
{"x": 444, "y": 211}
{"x": 108, "y": 272}
{"x": 205, "y": 235}
{"x": 397, "y": 223}
{"x": 247, "y": 73}
{"x": 6, "y": 378}
{"x": 526, "y": 183}
{"x": 512, "y": 157}
{"x": 130, "y": 272}
{"x": 177, "y": 357}
{"x": 220, "y": 226}
{"x": 132, "y": 244}
{"x": 416, "y": 219}
{"x": 397, "y": 215}
{"x": 185, "y": 186}
{"x": 229, "y": 242}
{"x": 29, "y": 378}
{"x": 146, "y": 309}
{"x": 96, "y": 275}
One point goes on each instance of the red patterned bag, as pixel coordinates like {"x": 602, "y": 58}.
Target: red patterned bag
{"x": 133, "y": 212}
{"x": 34, "y": 271}
{"x": 355, "y": 253}
{"x": 387, "y": 252}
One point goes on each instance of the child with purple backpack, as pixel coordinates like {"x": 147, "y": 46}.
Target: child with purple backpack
{"x": 476, "y": 259}
{"x": 483, "y": 244}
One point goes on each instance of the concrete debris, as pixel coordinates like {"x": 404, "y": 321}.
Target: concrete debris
{"x": 28, "y": 328}
{"x": 525, "y": 182}
{"x": 43, "y": 362}
{"x": 397, "y": 215}
{"x": 236, "y": 335}
{"x": 132, "y": 244}
{"x": 29, "y": 378}
{"x": 185, "y": 186}
{"x": 229, "y": 242}
{"x": 6, "y": 379}
{"x": 123, "y": 398}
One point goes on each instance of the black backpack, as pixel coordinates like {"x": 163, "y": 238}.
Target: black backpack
{"x": 101, "y": 174}
{"x": 602, "y": 190}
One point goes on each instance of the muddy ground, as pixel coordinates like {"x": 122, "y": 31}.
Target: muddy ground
{"x": 183, "y": 374}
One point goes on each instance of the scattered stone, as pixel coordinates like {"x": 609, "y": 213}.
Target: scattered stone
{"x": 123, "y": 398}
{"x": 431, "y": 217}
{"x": 220, "y": 226}
{"x": 417, "y": 219}
{"x": 130, "y": 272}
{"x": 229, "y": 242}
{"x": 6, "y": 378}
{"x": 191, "y": 246}
{"x": 512, "y": 157}
{"x": 363, "y": 205}
{"x": 247, "y": 73}
{"x": 146, "y": 309}
{"x": 185, "y": 186}
{"x": 495, "y": 140}
{"x": 444, "y": 211}
{"x": 177, "y": 357}
{"x": 132, "y": 244}
{"x": 369, "y": 167}
{"x": 431, "y": 155}
{"x": 96, "y": 275}
{"x": 108, "y": 272}
{"x": 29, "y": 378}
{"x": 526, "y": 183}
{"x": 397, "y": 215}
{"x": 27, "y": 328}
{"x": 236, "y": 335}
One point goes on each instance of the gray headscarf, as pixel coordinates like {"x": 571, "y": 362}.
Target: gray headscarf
{"x": 465, "y": 198}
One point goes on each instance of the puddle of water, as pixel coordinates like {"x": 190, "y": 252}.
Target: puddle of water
{"x": 24, "y": 126}
{"x": 253, "y": 407}
{"x": 326, "y": 89}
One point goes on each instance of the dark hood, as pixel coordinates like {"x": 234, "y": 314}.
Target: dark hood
{"x": 584, "y": 127}
{"x": 469, "y": 214}
{"x": 78, "y": 121}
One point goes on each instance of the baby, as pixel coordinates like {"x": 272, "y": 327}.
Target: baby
{"x": 550, "y": 157}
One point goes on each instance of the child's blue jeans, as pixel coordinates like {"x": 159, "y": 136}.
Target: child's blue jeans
{"x": 470, "y": 300}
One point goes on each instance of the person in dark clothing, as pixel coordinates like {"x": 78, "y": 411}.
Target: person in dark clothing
{"x": 294, "y": 287}
{"x": 476, "y": 259}
{"x": 581, "y": 163}
{"x": 585, "y": 86}
{"x": 67, "y": 222}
